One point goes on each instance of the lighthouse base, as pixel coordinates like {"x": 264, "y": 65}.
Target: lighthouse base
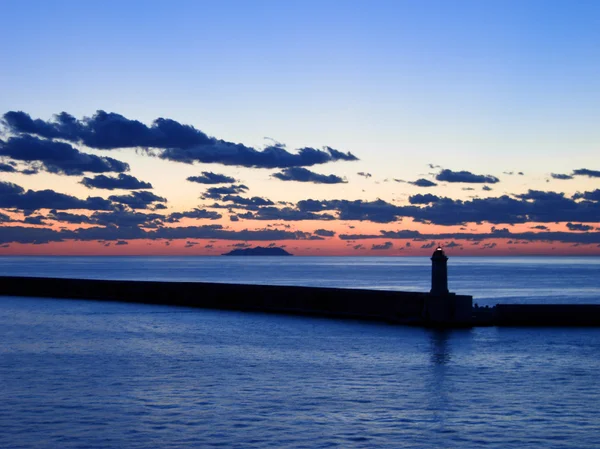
{"x": 448, "y": 310}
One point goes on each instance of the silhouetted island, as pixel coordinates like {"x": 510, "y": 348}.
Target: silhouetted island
{"x": 258, "y": 251}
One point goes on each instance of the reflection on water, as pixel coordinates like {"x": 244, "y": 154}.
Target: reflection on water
{"x": 440, "y": 351}
{"x": 86, "y": 374}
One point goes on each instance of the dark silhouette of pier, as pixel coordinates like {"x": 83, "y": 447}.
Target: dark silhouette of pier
{"x": 436, "y": 308}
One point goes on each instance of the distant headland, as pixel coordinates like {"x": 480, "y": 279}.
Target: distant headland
{"x": 259, "y": 251}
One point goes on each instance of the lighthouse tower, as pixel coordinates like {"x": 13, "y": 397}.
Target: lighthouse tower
{"x": 439, "y": 272}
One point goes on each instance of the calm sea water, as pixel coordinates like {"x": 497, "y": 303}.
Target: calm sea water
{"x": 85, "y": 374}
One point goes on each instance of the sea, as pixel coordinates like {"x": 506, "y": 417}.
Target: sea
{"x": 88, "y": 374}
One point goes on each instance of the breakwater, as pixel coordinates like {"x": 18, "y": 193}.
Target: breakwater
{"x": 391, "y": 306}
{"x": 411, "y": 308}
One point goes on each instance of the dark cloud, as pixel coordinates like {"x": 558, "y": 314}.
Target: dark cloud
{"x": 14, "y": 196}
{"x": 465, "y": 176}
{"x": 560, "y": 176}
{"x": 533, "y": 206}
{"x": 423, "y": 199}
{"x": 422, "y": 182}
{"x": 196, "y": 214}
{"x": 366, "y": 175}
{"x": 34, "y": 235}
{"x": 377, "y": 211}
{"x": 208, "y": 177}
{"x": 579, "y": 227}
{"x": 217, "y": 192}
{"x": 284, "y": 214}
{"x": 7, "y": 168}
{"x": 586, "y": 172}
{"x": 37, "y": 220}
{"x": 590, "y": 196}
{"x": 253, "y": 203}
{"x": 121, "y": 242}
{"x": 58, "y": 157}
{"x": 325, "y": 233}
{"x": 227, "y": 153}
{"x": 177, "y": 142}
{"x": 67, "y": 217}
{"x": 383, "y": 246}
{"x": 428, "y": 245}
{"x": 123, "y": 181}
{"x": 9, "y": 188}
{"x": 125, "y": 218}
{"x": 486, "y": 188}
{"x": 304, "y": 175}
{"x": 542, "y": 227}
{"x": 566, "y": 237}
{"x": 138, "y": 200}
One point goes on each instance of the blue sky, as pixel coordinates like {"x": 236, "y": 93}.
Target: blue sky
{"x": 483, "y": 86}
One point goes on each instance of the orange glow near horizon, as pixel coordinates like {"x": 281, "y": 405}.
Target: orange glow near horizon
{"x": 327, "y": 247}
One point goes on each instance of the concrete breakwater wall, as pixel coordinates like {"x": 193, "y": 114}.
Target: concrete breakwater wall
{"x": 395, "y": 307}
{"x": 547, "y": 315}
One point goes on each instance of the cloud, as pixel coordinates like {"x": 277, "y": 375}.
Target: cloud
{"x": 560, "y": 176}
{"x": 67, "y": 217}
{"x": 586, "y": 172}
{"x": 284, "y": 214}
{"x": 423, "y": 199}
{"x": 533, "y": 206}
{"x": 304, "y": 175}
{"x": 579, "y": 227}
{"x": 7, "y": 168}
{"x": 384, "y": 246}
{"x": 37, "y": 220}
{"x": 428, "y": 245}
{"x": 125, "y": 218}
{"x": 208, "y": 177}
{"x": 590, "y": 196}
{"x": 138, "y": 200}
{"x": 58, "y": 157}
{"x": 176, "y": 142}
{"x": 486, "y": 188}
{"x": 422, "y": 182}
{"x": 271, "y": 157}
{"x": 566, "y": 237}
{"x": 366, "y": 175}
{"x": 123, "y": 181}
{"x": 121, "y": 242}
{"x": 325, "y": 233}
{"x": 14, "y": 196}
{"x": 240, "y": 202}
{"x": 196, "y": 214}
{"x": 544, "y": 228}
{"x": 217, "y": 192}
{"x": 465, "y": 176}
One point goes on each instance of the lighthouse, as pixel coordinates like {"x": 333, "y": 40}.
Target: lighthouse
{"x": 439, "y": 273}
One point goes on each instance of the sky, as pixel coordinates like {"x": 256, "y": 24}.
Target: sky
{"x": 367, "y": 128}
